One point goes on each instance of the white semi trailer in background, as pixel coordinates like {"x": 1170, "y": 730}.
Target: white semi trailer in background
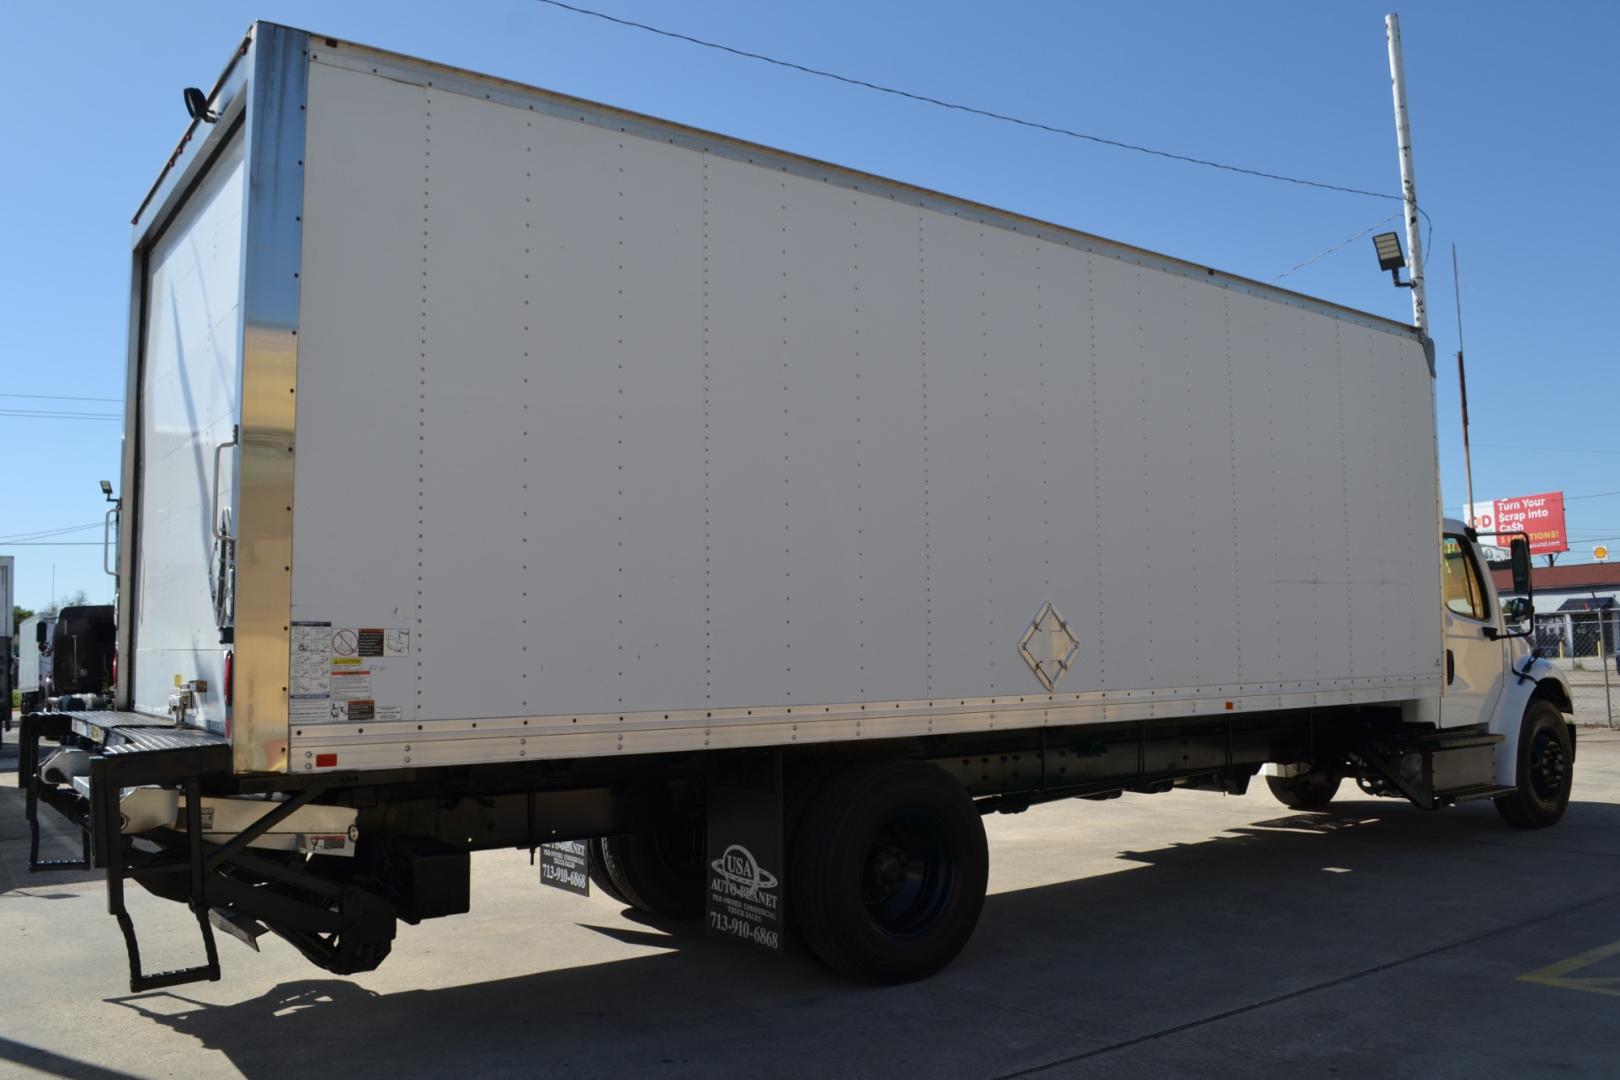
{"x": 506, "y": 470}
{"x": 34, "y": 660}
{"x": 8, "y": 668}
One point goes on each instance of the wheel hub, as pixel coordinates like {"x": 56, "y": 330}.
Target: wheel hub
{"x": 907, "y": 876}
{"x": 888, "y": 867}
{"x": 1548, "y": 766}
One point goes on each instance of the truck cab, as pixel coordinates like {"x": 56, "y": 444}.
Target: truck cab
{"x": 34, "y": 685}
{"x": 1494, "y": 678}
{"x": 82, "y": 654}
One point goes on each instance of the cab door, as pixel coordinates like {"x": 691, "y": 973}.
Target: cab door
{"x": 1474, "y": 657}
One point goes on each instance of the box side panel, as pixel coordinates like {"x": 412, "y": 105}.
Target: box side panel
{"x": 611, "y": 444}
{"x": 190, "y": 401}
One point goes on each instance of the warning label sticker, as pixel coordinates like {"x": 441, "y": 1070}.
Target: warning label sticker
{"x": 350, "y": 684}
{"x": 371, "y": 641}
{"x": 311, "y": 647}
{"x": 333, "y": 711}
{"x": 335, "y": 669}
{"x": 315, "y": 709}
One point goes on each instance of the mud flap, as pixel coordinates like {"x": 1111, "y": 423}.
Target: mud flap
{"x": 745, "y": 850}
{"x": 566, "y": 865}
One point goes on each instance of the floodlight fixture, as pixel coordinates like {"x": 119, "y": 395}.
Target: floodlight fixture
{"x": 106, "y": 489}
{"x": 1391, "y": 257}
{"x": 197, "y": 105}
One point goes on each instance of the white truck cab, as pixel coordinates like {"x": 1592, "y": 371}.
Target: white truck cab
{"x": 1494, "y": 677}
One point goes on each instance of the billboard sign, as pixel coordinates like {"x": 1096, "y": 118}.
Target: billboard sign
{"x": 1541, "y": 516}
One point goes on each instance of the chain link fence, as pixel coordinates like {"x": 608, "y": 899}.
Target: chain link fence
{"x": 1583, "y": 644}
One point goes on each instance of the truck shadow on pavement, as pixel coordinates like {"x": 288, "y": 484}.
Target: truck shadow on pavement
{"x": 1283, "y": 905}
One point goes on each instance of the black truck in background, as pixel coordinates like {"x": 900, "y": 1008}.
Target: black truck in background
{"x": 78, "y": 663}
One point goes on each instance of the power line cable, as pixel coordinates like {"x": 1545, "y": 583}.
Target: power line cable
{"x": 1342, "y": 243}
{"x": 52, "y": 543}
{"x": 974, "y": 110}
{"x": 65, "y": 397}
{"x": 44, "y": 414}
{"x": 1554, "y": 449}
{"x": 41, "y": 534}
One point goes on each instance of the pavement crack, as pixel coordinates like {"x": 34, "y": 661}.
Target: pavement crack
{"x": 1328, "y": 984}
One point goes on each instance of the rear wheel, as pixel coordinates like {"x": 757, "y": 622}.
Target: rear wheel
{"x": 659, "y": 873}
{"x": 888, "y": 871}
{"x": 598, "y": 869}
{"x": 1545, "y": 769}
{"x": 1311, "y": 790}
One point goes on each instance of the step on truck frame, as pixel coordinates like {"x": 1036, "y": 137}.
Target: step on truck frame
{"x": 342, "y": 928}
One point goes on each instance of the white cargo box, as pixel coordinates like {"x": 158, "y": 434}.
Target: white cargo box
{"x": 565, "y": 431}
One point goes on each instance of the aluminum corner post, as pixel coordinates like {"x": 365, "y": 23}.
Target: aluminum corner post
{"x": 1403, "y": 139}
{"x": 278, "y": 84}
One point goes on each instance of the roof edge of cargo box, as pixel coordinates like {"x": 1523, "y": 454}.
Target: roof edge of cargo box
{"x": 517, "y": 94}
{"x": 164, "y": 175}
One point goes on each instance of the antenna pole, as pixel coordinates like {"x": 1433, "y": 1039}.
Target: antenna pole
{"x": 1403, "y": 139}
{"x": 1462, "y": 383}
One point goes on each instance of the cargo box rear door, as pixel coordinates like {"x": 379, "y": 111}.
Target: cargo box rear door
{"x": 190, "y": 377}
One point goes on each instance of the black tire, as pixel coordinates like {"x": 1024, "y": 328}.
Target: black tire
{"x": 1546, "y": 767}
{"x": 1307, "y": 791}
{"x": 599, "y": 875}
{"x": 888, "y": 871}
{"x": 659, "y": 873}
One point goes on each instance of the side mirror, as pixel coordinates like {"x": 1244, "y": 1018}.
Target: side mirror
{"x": 40, "y": 633}
{"x": 1516, "y": 611}
{"x": 1520, "y": 548}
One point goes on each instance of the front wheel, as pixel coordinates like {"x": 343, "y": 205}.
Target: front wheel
{"x": 1545, "y": 769}
{"x": 888, "y": 871}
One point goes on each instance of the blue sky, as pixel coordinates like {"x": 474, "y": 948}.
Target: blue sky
{"x": 1512, "y": 119}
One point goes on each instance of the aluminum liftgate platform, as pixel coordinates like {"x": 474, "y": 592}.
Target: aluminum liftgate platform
{"x": 342, "y": 929}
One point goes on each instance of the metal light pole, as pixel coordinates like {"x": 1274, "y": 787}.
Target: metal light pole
{"x": 1462, "y": 384}
{"x": 1403, "y": 138}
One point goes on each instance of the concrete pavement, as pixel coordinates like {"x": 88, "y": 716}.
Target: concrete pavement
{"x": 1183, "y": 934}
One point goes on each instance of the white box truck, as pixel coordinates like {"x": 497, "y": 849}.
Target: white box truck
{"x": 504, "y": 470}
